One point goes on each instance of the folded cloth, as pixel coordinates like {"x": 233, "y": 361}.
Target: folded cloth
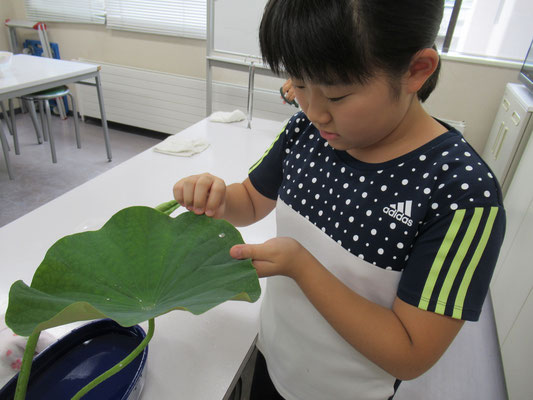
{"x": 180, "y": 146}
{"x": 234, "y": 116}
{"x": 12, "y": 348}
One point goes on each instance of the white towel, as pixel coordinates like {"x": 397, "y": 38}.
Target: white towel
{"x": 180, "y": 146}
{"x": 226, "y": 117}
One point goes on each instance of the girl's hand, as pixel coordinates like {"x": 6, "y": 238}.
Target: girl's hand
{"x": 202, "y": 194}
{"x": 278, "y": 256}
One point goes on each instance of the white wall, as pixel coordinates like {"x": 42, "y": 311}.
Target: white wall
{"x": 6, "y": 11}
{"x": 466, "y": 92}
{"x": 471, "y": 93}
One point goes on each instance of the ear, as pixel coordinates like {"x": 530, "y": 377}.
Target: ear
{"x": 423, "y": 64}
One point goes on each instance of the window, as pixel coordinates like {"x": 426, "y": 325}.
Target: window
{"x": 186, "y": 18}
{"x": 499, "y": 29}
{"x": 87, "y": 11}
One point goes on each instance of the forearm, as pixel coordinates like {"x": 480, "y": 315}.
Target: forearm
{"x": 240, "y": 209}
{"x": 245, "y": 205}
{"x": 375, "y": 331}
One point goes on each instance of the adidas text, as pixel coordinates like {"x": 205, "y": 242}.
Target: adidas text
{"x": 398, "y": 215}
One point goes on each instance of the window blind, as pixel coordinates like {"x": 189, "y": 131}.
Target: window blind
{"x": 84, "y": 11}
{"x": 186, "y": 18}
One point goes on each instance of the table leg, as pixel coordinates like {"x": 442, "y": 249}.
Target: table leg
{"x": 50, "y": 135}
{"x": 76, "y": 123}
{"x": 33, "y": 115}
{"x": 242, "y": 383}
{"x": 251, "y": 76}
{"x": 5, "y": 148}
{"x": 14, "y": 126}
{"x": 6, "y": 117}
{"x": 44, "y": 125}
{"x": 102, "y": 114}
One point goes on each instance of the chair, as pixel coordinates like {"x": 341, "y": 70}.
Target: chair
{"x": 43, "y": 99}
{"x": 12, "y": 127}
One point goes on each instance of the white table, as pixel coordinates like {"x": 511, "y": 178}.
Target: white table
{"x": 190, "y": 357}
{"x": 30, "y": 74}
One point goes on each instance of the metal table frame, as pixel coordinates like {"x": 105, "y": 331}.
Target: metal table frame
{"x": 233, "y": 61}
{"x": 76, "y": 78}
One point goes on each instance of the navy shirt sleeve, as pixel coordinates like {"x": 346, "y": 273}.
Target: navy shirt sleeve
{"x": 266, "y": 174}
{"x": 451, "y": 265}
{"x": 453, "y": 258}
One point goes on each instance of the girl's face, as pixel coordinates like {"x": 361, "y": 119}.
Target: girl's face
{"x": 359, "y": 119}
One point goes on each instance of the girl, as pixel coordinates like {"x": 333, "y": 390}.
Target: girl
{"x": 389, "y": 223}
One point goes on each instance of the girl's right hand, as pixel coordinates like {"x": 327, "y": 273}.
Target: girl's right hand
{"x": 202, "y": 194}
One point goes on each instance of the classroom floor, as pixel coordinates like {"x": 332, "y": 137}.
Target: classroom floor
{"x": 38, "y": 180}
{"x": 469, "y": 370}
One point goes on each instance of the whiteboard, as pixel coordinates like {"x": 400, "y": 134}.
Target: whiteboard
{"x": 236, "y": 26}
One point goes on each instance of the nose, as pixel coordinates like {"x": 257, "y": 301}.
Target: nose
{"x": 317, "y": 111}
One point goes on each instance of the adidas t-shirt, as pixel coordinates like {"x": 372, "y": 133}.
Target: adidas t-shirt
{"x": 435, "y": 214}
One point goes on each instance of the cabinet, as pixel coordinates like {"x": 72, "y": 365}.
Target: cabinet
{"x": 517, "y": 354}
{"x": 509, "y": 133}
{"x": 512, "y": 283}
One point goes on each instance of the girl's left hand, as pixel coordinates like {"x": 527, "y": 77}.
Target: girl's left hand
{"x": 278, "y": 256}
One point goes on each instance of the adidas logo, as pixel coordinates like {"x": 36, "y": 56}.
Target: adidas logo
{"x": 400, "y": 211}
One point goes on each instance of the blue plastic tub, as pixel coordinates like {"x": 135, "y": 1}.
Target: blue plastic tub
{"x": 66, "y": 366}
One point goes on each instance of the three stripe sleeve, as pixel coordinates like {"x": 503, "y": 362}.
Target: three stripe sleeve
{"x": 450, "y": 267}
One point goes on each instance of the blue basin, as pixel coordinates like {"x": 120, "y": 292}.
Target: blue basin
{"x": 66, "y": 366}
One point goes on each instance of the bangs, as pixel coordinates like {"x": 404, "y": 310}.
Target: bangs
{"x": 318, "y": 41}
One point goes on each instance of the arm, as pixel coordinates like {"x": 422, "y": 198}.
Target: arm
{"x": 404, "y": 341}
{"x": 239, "y": 203}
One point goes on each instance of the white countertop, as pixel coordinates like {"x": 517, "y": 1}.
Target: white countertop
{"x": 28, "y": 71}
{"x": 190, "y": 357}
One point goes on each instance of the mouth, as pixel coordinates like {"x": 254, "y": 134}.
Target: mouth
{"x": 329, "y": 135}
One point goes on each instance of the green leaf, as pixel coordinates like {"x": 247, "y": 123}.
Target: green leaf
{"x": 139, "y": 265}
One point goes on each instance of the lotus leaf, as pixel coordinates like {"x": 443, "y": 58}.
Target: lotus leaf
{"x": 141, "y": 264}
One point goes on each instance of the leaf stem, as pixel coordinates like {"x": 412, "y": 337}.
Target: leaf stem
{"x": 118, "y": 367}
{"x": 168, "y": 207}
{"x": 25, "y": 369}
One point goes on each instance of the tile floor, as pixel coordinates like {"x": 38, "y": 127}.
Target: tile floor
{"x": 38, "y": 180}
{"x": 470, "y": 369}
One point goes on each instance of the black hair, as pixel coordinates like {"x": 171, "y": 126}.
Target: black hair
{"x": 348, "y": 41}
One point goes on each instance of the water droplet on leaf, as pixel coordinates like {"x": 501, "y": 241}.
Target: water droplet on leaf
{"x": 221, "y": 235}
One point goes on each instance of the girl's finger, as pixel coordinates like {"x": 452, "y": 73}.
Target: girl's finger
{"x": 188, "y": 193}
{"x": 290, "y": 94}
{"x": 201, "y": 193}
{"x": 263, "y": 268}
{"x": 243, "y": 251}
{"x": 216, "y": 197}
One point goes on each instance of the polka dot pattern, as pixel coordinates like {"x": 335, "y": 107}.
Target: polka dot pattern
{"x": 375, "y": 211}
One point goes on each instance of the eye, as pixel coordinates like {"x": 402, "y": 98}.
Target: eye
{"x": 335, "y": 99}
